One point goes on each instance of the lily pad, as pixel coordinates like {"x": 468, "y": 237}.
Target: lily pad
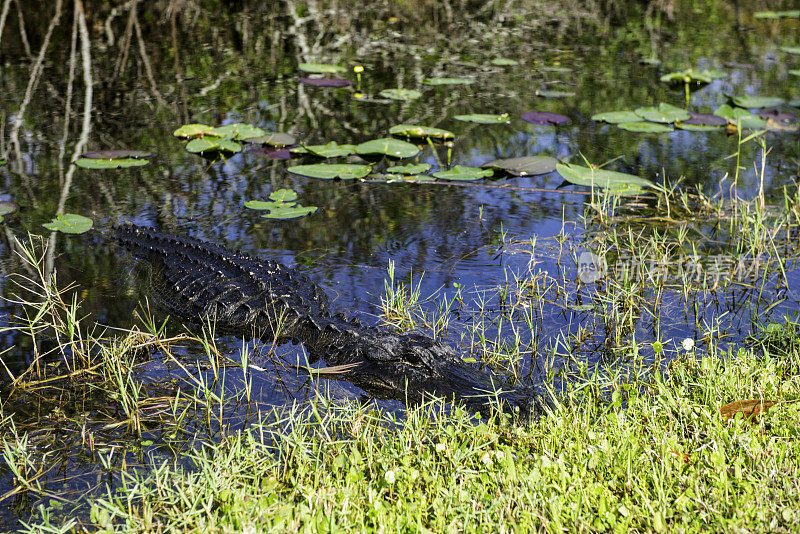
{"x": 778, "y": 116}
{"x": 325, "y": 82}
{"x": 791, "y": 49}
{"x": 122, "y": 163}
{"x": 756, "y": 101}
{"x": 740, "y": 116}
{"x": 544, "y": 117}
{"x": 794, "y": 72}
{"x": 118, "y": 154}
{"x": 70, "y": 223}
{"x": 447, "y": 81}
{"x": 555, "y": 94}
{"x": 388, "y": 146}
{"x": 328, "y": 171}
{"x": 793, "y": 14}
{"x": 698, "y": 127}
{"x": 664, "y": 113}
{"x": 7, "y": 207}
{"x": 261, "y": 204}
{"x": 329, "y": 150}
{"x": 645, "y": 127}
{"x": 616, "y": 117}
{"x": 281, "y": 205}
{"x": 212, "y": 144}
{"x": 560, "y": 70}
{"x": 414, "y": 130}
{"x": 190, "y": 131}
{"x": 586, "y": 176}
{"x": 411, "y": 168}
{"x": 320, "y": 68}
{"x": 238, "y": 131}
{"x": 272, "y": 139}
{"x": 795, "y": 103}
{"x": 401, "y": 94}
{"x": 524, "y": 166}
{"x": 703, "y": 119}
{"x": 290, "y": 212}
{"x": 504, "y": 62}
{"x": 2, "y": 161}
{"x": 464, "y": 174}
{"x": 484, "y": 118}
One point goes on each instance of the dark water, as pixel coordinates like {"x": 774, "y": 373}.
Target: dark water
{"x": 237, "y": 62}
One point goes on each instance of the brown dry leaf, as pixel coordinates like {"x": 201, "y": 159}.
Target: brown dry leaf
{"x": 749, "y": 408}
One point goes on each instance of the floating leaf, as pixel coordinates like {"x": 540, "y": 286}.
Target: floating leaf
{"x": 283, "y": 195}
{"x": 645, "y": 127}
{"x": 401, "y": 94}
{"x": 118, "y": 154}
{"x": 409, "y": 169}
{"x": 320, "y": 68}
{"x": 7, "y": 207}
{"x": 794, "y": 14}
{"x": 413, "y": 130}
{"x": 555, "y": 69}
{"x": 261, "y": 205}
{"x": 272, "y": 139}
{"x": 122, "y": 163}
{"x": 2, "y": 161}
{"x": 504, "y": 62}
{"x": 212, "y": 144}
{"x": 741, "y": 117}
{"x": 237, "y": 131}
{"x": 325, "y": 82}
{"x": 290, "y": 212}
{"x": 330, "y": 150}
{"x": 69, "y": 223}
{"x": 614, "y": 181}
{"x": 190, "y": 131}
{"x": 615, "y": 117}
{"x": 698, "y": 127}
{"x": 664, "y": 113}
{"x": 555, "y": 94}
{"x": 653, "y": 62}
{"x": 749, "y": 408}
{"x": 524, "y": 166}
{"x": 795, "y": 103}
{"x": 464, "y": 173}
{"x": 686, "y": 76}
{"x": 388, "y": 146}
{"x": 791, "y": 49}
{"x": 703, "y": 119}
{"x": 447, "y": 81}
{"x": 544, "y": 117}
{"x": 778, "y": 116}
{"x": 484, "y": 118}
{"x": 756, "y": 101}
{"x": 794, "y": 72}
{"x": 328, "y": 171}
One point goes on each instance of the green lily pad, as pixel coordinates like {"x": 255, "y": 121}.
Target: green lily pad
{"x": 504, "y": 62}
{"x": 555, "y": 94}
{"x": 122, "y": 163}
{"x": 401, "y": 94}
{"x": 560, "y": 70}
{"x": 330, "y": 150}
{"x": 447, "y": 81}
{"x": 794, "y": 72}
{"x": 791, "y": 49}
{"x": 411, "y": 168}
{"x": 283, "y": 195}
{"x": 7, "y": 207}
{"x": 212, "y": 144}
{"x": 2, "y": 161}
{"x": 70, "y": 223}
{"x": 615, "y": 117}
{"x": 664, "y": 113}
{"x": 320, "y": 68}
{"x": 484, "y": 118}
{"x": 190, "y": 131}
{"x": 698, "y": 127}
{"x": 756, "y": 101}
{"x": 328, "y": 171}
{"x": 524, "y": 166}
{"x": 238, "y": 131}
{"x": 793, "y": 14}
{"x": 272, "y": 139}
{"x": 261, "y": 204}
{"x": 414, "y": 130}
{"x": 388, "y": 146}
{"x": 118, "y": 154}
{"x": 464, "y": 174}
{"x": 290, "y": 212}
{"x": 645, "y": 127}
{"x": 686, "y": 76}
{"x": 741, "y": 116}
{"x": 617, "y": 181}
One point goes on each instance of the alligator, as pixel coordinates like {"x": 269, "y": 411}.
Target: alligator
{"x": 198, "y": 280}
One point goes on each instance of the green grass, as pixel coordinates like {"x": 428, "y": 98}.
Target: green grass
{"x": 658, "y": 457}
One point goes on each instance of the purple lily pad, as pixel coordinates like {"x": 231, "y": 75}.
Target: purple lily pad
{"x": 272, "y": 152}
{"x": 777, "y": 116}
{"x": 118, "y": 154}
{"x": 703, "y": 119}
{"x": 326, "y": 82}
{"x": 545, "y": 117}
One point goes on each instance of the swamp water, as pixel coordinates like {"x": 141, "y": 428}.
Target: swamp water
{"x": 535, "y": 277}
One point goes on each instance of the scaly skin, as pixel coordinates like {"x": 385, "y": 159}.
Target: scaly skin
{"x": 264, "y": 299}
